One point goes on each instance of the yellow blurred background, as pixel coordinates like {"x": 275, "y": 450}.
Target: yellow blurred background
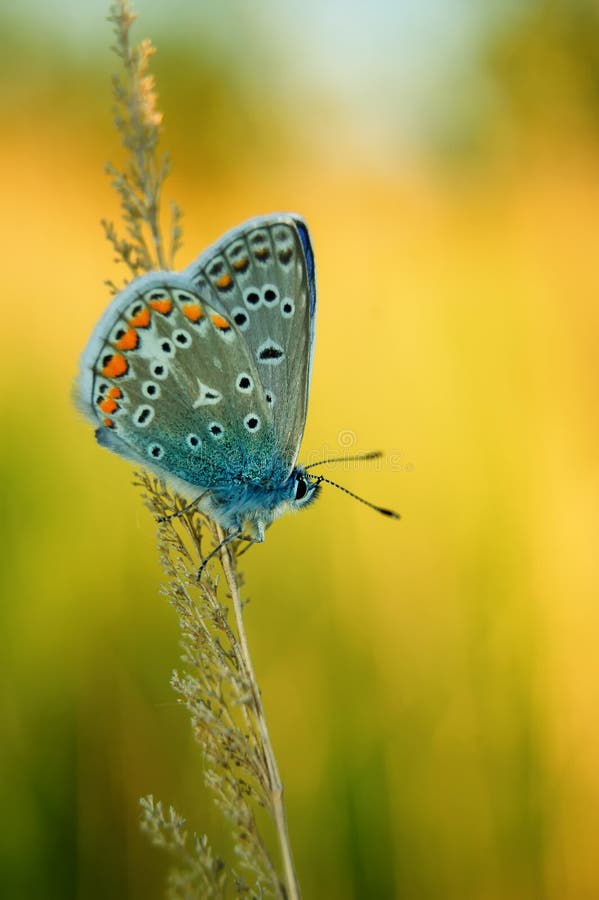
{"x": 431, "y": 684}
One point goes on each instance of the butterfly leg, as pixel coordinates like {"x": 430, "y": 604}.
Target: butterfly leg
{"x": 217, "y": 549}
{"x": 250, "y": 543}
{"x": 180, "y": 512}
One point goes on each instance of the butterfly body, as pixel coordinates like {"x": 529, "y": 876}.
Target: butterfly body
{"x": 250, "y": 507}
{"x": 203, "y": 376}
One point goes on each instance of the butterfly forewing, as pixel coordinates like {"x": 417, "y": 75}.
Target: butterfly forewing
{"x": 262, "y": 276}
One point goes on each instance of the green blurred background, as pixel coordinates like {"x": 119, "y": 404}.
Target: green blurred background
{"x": 432, "y": 684}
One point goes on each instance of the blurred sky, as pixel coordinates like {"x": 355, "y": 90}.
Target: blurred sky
{"x": 388, "y": 68}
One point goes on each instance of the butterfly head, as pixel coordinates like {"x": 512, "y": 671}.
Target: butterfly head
{"x": 263, "y": 507}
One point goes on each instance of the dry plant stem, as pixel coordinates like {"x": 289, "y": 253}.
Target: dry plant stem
{"x": 276, "y": 786}
{"x": 219, "y": 689}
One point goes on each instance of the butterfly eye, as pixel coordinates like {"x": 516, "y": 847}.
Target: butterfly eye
{"x": 301, "y": 489}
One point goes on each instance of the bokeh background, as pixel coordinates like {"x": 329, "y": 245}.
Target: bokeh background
{"x": 432, "y": 684}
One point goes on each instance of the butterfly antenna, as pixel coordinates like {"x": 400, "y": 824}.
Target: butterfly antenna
{"x": 373, "y": 454}
{"x": 380, "y": 509}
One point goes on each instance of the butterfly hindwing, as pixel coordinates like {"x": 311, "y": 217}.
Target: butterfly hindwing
{"x": 171, "y": 383}
{"x": 261, "y": 275}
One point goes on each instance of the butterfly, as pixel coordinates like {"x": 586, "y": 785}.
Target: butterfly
{"x": 203, "y": 376}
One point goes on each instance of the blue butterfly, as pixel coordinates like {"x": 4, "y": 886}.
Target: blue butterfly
{"x": 203, "y": 376}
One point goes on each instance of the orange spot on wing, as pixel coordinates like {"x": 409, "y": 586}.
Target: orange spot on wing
{"x": 162, "y": 306}
{"x": 141, "y": 320}
{"x": 262, "y": 253}
{"x": 221, "y": 323}
{"x": 115, "y": 367}
{"x": 224, "y": 281}
{"x": 193, "y": 311}
{"x": 109, "y": 423}
{"x": 115, "y": 393}
{"x": 240, "y": 264}
{"x": 129, "y": 341}
{"x": 109, "y": 405}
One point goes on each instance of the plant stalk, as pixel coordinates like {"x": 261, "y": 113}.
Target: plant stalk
{"x": 292, "y": 890}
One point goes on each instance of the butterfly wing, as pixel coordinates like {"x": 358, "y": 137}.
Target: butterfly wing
{"x": 261, "y": 275}
{"x": 171, "y": 384}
